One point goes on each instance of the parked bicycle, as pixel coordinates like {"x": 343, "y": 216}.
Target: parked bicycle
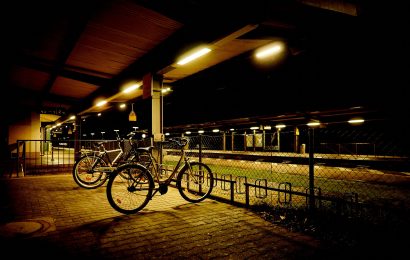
{"x": 131, "y": 186}
{"x": 92, "y": 169}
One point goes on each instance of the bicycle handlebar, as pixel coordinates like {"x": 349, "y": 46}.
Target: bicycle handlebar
{"x": 179, "y": 141}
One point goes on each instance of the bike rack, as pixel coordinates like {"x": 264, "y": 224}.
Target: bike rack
{"x": 215, "y": 179}
{"x": 259, "y": 194}
{"x": 287, "y": 189}
{"x": 317, "y": 194}
{"x": 239, "y": 180}
{"x": 224, "y": 181}
{"x": 352, "y": 201}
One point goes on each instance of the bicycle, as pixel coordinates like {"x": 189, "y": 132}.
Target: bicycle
{"x": 92, "y": 170}
{"x": 131, "y": 186}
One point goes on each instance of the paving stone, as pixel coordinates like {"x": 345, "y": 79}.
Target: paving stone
{"x": 86, "y": 227}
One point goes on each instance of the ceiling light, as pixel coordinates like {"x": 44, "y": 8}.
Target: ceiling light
{"x": 72, "y": 117}
{"x": 188, "y": 132}
{"x": 165, "y": 90}
{"x": 280, "y": 126}
{"x": 269, "y": 50}
{"x": 313, "y": 124}
{"x": 194, "y": 56}
{"x": 201, "y": 131}
{"x": 254, "y": 128}
{"x": 132, "y": 88}
{"x": 123, "y": 105}
{"x": 356, "y": 121}
{"x": 101, "y": 103}
{"x": 215, "y": 130}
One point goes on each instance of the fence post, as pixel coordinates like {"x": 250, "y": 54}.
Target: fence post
{"x": 224, "y": 141}
{"x": 246, "y": 195}
{"x": 232, "y": 141}
{"x": 200, "y": 148}
{"x": 311, "y": 170}
{"x": 77, "y": 137}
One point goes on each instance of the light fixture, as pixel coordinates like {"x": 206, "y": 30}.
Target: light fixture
{"x": 267, "y": 127}
{"x": 356, "y": 121}
{"x": 101, "y": 103}
{"x": 194, "y": 56}
{"x": 280, "y": 126}
{"x": 188, "y": 132}
{"x": 99, "y": 114}
{"x": 313, "y": 123}
{"x": 72, "y": 117}
{"x": 269, "y": 50}
{"x": 165, "y": 90}
{"x": 254, "y": 128}
{"x": 215, "y": 130}
{"x": 131, "y": 88}
{"x": 133, "y": 115}
{"x": 123, "y": 105}
{"x": 201, "y": 131}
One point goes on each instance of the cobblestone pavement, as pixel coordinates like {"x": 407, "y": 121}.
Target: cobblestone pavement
{"x": 50, "y": 217}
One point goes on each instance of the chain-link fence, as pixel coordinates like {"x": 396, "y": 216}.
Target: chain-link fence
{"x": 345, "y": 169}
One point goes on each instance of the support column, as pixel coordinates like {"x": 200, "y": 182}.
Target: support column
{"x": 296, "y": 140}
{"x": 152, "y": 91}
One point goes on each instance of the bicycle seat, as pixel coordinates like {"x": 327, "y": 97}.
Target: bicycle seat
{"x": 145, "y": 149}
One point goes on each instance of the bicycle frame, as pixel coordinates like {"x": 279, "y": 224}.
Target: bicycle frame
{"x": 156, "y": 169}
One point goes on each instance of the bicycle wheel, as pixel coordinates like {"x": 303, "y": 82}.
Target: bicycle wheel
{"x": 84, "y": 172}
{"x": 195, "y": 182}
{"x": 130, "y": 188}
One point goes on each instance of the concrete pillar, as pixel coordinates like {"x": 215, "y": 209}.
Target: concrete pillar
{"x": 152, "y": 86}
{"x": 296, "y": 140}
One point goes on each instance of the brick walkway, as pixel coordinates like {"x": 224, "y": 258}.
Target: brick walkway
{"x": 50, "y": 217}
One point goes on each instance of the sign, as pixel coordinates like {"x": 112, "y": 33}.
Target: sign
{"x": 53, "y": 111}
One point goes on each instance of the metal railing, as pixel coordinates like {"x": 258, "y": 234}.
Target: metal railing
{"x": 313, "y": 177}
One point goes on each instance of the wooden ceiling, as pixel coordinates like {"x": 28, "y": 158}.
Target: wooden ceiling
{"x": 68, "y": 54}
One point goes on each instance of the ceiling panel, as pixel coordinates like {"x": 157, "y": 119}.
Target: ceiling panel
{"x": 72, "y": 88}
{"x": 118, "y": 36}
{"x": 29, "y": 78}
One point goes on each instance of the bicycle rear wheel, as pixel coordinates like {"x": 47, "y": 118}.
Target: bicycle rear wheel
{"x": 130, "y": 188}
{"x": 195, "y": 182}
{"x": 84, "y": 172}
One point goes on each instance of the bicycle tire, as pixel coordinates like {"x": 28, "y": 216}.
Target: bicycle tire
{"x": 130, "y": 194}
{"x": 197, "y": 187}
{"x": 87, "y": 178}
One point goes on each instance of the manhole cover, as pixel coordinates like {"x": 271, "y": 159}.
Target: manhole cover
{"x": 27, "y": 228}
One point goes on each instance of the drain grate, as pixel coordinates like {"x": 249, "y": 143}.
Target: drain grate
{"x": 27, "y": 228}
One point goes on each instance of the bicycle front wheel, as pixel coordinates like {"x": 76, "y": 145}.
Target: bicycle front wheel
{"x": 130, "y": 188}
{"x": 85, "y": 173}
{"x": 195, "y": 182}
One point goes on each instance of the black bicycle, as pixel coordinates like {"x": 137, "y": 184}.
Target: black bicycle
{"x": 131, "y": 185}
{"x": 93, "y": 169}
